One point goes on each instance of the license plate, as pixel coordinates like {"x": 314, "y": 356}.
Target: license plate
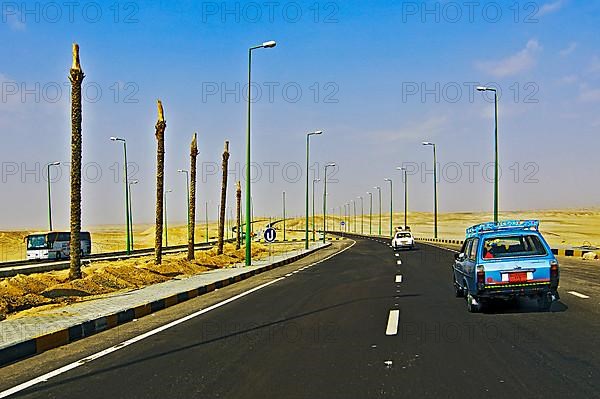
{"x": 517, "y": 277}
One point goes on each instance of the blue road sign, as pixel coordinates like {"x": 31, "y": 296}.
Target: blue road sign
{"x": 270, "y": 234}
{"x": 342, "y": 223}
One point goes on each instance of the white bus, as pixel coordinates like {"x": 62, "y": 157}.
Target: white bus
{"x": 55, "y": 245}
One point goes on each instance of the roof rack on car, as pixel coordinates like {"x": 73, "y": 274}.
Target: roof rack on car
{"x": 505, "y": 224}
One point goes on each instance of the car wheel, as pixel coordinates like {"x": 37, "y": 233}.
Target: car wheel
{"x": 544, "y": 303}
{"x": 471, "y": 308}
{"x": 458, "y": 291}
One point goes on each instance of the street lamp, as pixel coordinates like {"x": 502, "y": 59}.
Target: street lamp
{"x": 284, "y": 216}
{"x": 370, "y": 213}
{"x": 269, "y": 44}
{"x": 329, "y": 165}
{"x": 307, "y": 166}
{"x": 166, "y": 219}
{"x": 405, "y": 179}
{"x": 131, "y": 210}
{"x": 347, "y": 216}
{"x": 126, "y": 190}
{"x": 50, "y": 195}
{"x": 187, "y": 185}
{"x": 362, "y": 214}
{"x": 435, "y": 202}
{"x": 391, "y": 206}
{"x": 206, "y": 218}
{"x": 354, "y": 222}
{"x": 483, "y": 88}
{"x": 379, "y": 189}
{"x": 313, "y": 207}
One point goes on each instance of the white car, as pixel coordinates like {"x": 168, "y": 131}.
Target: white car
{"x": 403, "y": 239}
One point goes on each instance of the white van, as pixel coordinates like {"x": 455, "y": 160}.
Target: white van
{"x": 55, "y": 245}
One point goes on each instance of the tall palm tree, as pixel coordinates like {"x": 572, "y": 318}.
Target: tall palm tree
{"x": 192, "y": 207}
{"x": 160, "y": 127}
{"x": 223, "y": 198}
{"x": 76, "y": 76}
{"x": 238, "y": 215}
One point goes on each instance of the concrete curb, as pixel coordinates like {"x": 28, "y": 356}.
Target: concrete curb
{"x": 61, "y": 337}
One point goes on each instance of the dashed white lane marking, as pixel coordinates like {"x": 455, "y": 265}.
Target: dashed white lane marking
{"x": 398, "y": 262}
{"x": 578, "y": 295}
{"x": 392, "y": 324}
{"x": 124, "y": 344}
{"x": 399, "y": 278}
{"x": 397, "y": 255}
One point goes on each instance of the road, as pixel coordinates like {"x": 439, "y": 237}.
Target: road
{"x": 329, "y": 331}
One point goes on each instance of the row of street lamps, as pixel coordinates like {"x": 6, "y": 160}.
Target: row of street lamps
{"x": 248, "y": 194}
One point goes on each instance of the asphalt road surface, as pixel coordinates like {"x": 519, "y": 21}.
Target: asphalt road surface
{"x": 363, "y": 324}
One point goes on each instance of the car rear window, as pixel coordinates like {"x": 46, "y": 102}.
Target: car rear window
{"x": 403, "y": 235}
{"x": 512, "y": 246}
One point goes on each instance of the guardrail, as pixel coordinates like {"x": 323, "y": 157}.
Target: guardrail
{"x": 578, "y": 253}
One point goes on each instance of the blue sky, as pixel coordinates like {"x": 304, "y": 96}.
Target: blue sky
{"x": 377, "y": 77}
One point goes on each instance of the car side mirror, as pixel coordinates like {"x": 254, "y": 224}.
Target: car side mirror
{"x": 459, "y": 257}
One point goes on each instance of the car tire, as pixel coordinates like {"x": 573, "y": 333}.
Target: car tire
{"x": 458, "y": 291}
{"x": 544, "y": 303}
{"x": 470, "y": 307}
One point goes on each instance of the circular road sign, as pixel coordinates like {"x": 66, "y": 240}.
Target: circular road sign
{"x": 270, "y": 234}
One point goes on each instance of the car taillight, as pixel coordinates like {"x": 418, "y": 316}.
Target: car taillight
{"x": 554, "y": 271}
{"x": 480, "y": 276}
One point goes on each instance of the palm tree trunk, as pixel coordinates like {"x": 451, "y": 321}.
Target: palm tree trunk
{"x": 223, "y": 198}
{"x": 238, "y": 213}
{"x": 76, "y": 76}
{"x": 192, "y": 215}
{"x": 160, "y": 127}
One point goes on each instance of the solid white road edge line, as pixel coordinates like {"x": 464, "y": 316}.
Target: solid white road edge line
{"x": 124, "y": 344}
{"x": 392, "y": 324}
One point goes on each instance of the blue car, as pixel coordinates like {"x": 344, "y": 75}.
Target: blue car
{"x": 506, "y": 260}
